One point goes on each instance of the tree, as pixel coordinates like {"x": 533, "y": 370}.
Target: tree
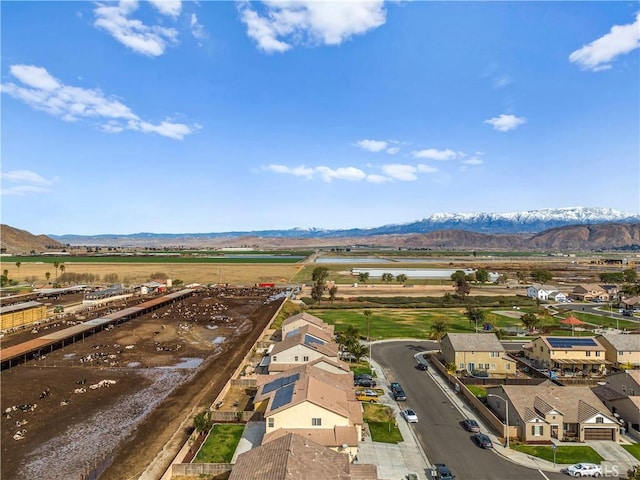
{"x": 633, "y": 473}
{"x": 62, "y": 268}
{"x": 4, "y": 280}
{"x": 47, "y": 276}
{"x": 177, "y": 282}
{"x": 530, "y": 320}
{"x": 56, "y": 265}
{"x": 333, "y": 290}
{"x": 458, "y": 274}
{"x": 320, "y": 274}
{"x": 202, "y": 422}
{"x": 316, "y": 291}
{"x": 630, "y": 275}
{"x": 541, "y": 276}
{"x": 475, "y": 315}
{"x": 402, "y": 278}
{"x": 387, "y": 278}
{"x": 368, "y": 314}
{"x": 363, "y": 277}
{"x": 18, "y": 267}
{"x": 482, "y": 275}
{"x": 462, "y": 287}
{"x": 358, "y": 350}
{"x": 438, "y": 329}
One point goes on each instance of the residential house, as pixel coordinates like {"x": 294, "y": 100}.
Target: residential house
{"x": 545, "y": 411}
{"x": 314, "y": 403}
{"x": 475, "y": 352}
{"x": 302, "y": 319}
{"x": 621, "y": 395}
{"x": 540, "y": 291}
{"x": 571, "y": 355}
{"x": 622, "y": 350}
{"x": 557, "y": 296}
{"x": 630, "y": 303}
{"x": 588, "y": 292}
{"x": 301, "y": 346}
{"x": 293, "y": 457}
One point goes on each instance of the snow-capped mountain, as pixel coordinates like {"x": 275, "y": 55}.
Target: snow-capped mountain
{"x": 529, "y": 222}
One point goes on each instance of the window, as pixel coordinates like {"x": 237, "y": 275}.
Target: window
{"x": 462, "y": 366}
{"x": 305, "y": 358}
{"x": 587, "y": 353}
{"x": 493, "y": 366}
{"x": 599, "y": 420}
{"x": 495, "y": 354}
{"x": 624, "y": 389}
{"x": 620, "y": 353}
{"x": 316, "y": 422}
{"x": 597, "y": 354}
{"x": 271, "y": 422}
{"x": 295, "y": 359}
{"x": 536, "y": 430}
{"x": 508, "y": 366}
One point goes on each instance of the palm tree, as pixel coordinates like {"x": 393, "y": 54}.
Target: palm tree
{"x": 387, "y": 277}
{"x": 363, "y": 277}
{"x": 47, "y": 276}
{"x": 62, "y": 267}
{"x": 18, "y": 267}
{"x": 358, "y": 350}
{"x": 439, "y": 328}
{"x": 368, "y": 314}
{"x": 56, "y": 265}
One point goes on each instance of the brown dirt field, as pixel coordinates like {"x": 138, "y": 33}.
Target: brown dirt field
{"x": 169, "y": 374}
{"x": 131, "y": 273}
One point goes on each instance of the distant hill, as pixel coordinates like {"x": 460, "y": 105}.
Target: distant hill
{"x": 16, "y": 241}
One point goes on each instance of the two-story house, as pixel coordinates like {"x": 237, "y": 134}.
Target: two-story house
{"x": 541, "y": 292}
{"x": 570, "y": 355}
{"x": 302, "y": 345}
{"x": 621, "y": 395}
{"x": 302, "y": 319}
{"x": 545, "y": 411}
{"x": 476, "y": 352}
{"x": 622, "y": 350}
{"x": 588, "y": 292}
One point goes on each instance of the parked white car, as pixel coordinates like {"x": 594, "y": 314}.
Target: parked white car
{"x": 584, "y": 470}
{"x": 410, "y": 416}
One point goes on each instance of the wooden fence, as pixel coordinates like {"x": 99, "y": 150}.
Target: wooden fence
{"x": 196, "y": 469}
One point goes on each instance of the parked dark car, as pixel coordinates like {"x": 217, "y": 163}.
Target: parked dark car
{"x": 482, "y": 440}
{"x": 470, "y": 425}
{"x": 422, "y": 366}
{"x": 399, "y": 395}
{"x": 364, "y": 382}
{"x": 443, "y": 473}
{"x": 395, "y": 386}
{"x": 627, "y": 313}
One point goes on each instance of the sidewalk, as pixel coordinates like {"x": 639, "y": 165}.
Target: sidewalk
{"x": 394, "y": 461}
{"x": 612, "y": 453}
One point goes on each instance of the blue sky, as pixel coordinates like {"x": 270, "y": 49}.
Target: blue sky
{"x": 171, "y": 116}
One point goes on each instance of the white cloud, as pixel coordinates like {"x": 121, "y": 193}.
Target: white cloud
{"x": 433, "y": 154}
{"x": 147, "y": 40}
{"x": 473, "y": 161}
{"x": 301, "y": 171}
{"x": 24, "y": 182}
{"x": 372, "y": 145}
{"x": 501, "y": 81}
{"x": 504, "y": 123}
{"x": 197, "y": 30}
{"x": 403, "y": 173}
{"x": 342, "y": 173}
{"x": 599, "y": 54}
{"x": 43, "y": 92}
{"x": 170, "y": 8}
{"x": 286, "y": 23}
{"x": 393, "y": 150}
{"x": 422, "y": 168}
{"x": 373, "y": 178}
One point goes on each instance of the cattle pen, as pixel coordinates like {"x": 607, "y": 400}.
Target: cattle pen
{"x": 17, "y": 354}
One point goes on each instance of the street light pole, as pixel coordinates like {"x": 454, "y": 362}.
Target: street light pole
{"x": 506, "y": 402}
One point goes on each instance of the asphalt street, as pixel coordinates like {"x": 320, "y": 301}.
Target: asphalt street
{"x": 438, "y": 430}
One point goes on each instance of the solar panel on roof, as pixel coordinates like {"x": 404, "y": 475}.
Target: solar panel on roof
{"x": 280, "y": 382}
{"x": 282, "y": 396}
{"x": 571, "y": 342}
{"x": 309, "y": 339}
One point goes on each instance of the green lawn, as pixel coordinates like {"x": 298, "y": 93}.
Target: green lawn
{"x": 220, "y": 444}
{"x": 479, "y": 392}
{"x": 633, "y": 449}
{"x": 382, "y": 423}
{"x": 565, "y": 454}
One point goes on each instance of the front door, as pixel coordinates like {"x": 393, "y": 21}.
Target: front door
{"x": 554, "y": 431}
{"x": 471, "y": 367}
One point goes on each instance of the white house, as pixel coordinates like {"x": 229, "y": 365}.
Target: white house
{"x": 541, "y": 292}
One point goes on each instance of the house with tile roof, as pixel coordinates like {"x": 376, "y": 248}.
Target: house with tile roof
{"x": 622, "y": 350}
{"x": 294, "y": 457}
{"x": 587, "y": 292}
{"x": 575, "y": 356}
{"x": 476, "y": 352}
{"x": 621, "y": 395}
{"x": 302, "y": 319}
{"x": 302, "y": 345}
{"x": 549, "y": 411}
{"x": 313, "y": 403}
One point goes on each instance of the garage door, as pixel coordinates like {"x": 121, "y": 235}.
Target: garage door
{"x": 598, "y": 434}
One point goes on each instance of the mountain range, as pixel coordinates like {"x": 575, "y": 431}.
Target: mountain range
{"x": 573, "y": 228}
